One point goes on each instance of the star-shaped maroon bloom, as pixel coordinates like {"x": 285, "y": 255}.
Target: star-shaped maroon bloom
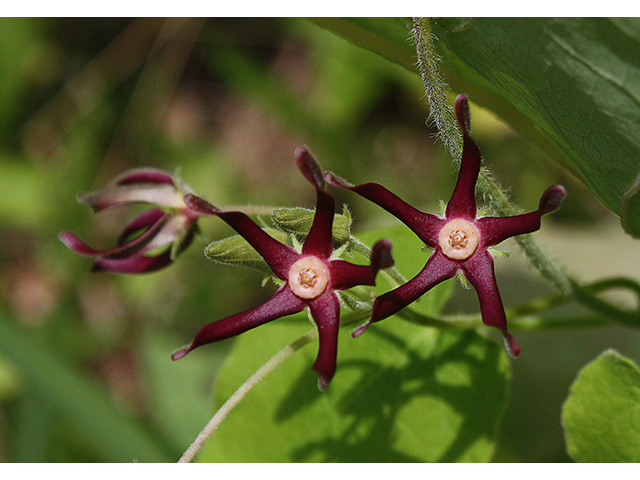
{"x": 460, "y": 239}
{"x": 310, "y": 277}
{"x": 151, "y": 240}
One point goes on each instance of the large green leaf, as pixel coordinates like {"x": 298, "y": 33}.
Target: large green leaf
{"x": 571, "y": 85}
{"x": 601, "y": 416}
{"x": 402, "y": 392}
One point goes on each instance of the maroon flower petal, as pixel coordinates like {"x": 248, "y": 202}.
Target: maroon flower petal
{"x": 309, "y": 167}
{"x": 551, "y": 199}
{"x": 282, "y": 303}
{"x": 143, "y": 175}
{"x": 200, "y": 205}
{"x": 144, "y": 220}
{"x": 319, "y": 240}
{"x": 345, "y": 275}
{"x": 437, "y": 269}
{"x": 132, "y": 264}
{"x": 117, "y": 195}
{"x": 146, "y": 241}
{"x": 278, "y": 256}
{"x": 480, "y": 273}
{"x": 78, "y": 246}
{"x": 463, "y": 201}
{"x": 496, "y": 229}
{"x": 425, "y": 225}
{"x": 325, "y": 310}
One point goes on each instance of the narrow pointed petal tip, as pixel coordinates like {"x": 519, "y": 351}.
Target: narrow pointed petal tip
{"x": 513, "y": 349}
{"x": 200, "y": 205}
{"x": 178, "y": 354}
{"x": 462, "y": 113}
{"x": 360, "y": 330}
{"x": 335, "y": 181}
{"x": 325, "y": 374}
{"x": 309, "y": 167}
{"x": 76, "y": 245}
{"x": 322, "y": 383}
{"x": 551, "y": 199}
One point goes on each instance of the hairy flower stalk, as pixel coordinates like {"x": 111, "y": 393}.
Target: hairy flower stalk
{"x": 310, "y": 277}
{"x": 460, "y": 239}
{"x": 153, "y": 239}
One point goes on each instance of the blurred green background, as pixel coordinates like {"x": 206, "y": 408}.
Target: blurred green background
{"x": 85, "y": 369}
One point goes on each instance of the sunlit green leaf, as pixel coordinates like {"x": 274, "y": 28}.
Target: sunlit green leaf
{"x": 401, "y": 393}
{"x": 601, "y": 416}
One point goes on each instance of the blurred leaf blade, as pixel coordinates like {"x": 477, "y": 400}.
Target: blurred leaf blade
{"x": 601, "y": 416}
{"x": 65, "y": 393}
{"x": 389, "y": 37}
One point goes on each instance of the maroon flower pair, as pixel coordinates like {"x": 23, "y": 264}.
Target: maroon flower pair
{"x": 311, "y": 277}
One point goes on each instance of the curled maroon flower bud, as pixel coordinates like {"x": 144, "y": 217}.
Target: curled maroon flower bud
{"x": 151, "y": 240}
{"x": 460, "y": 240}
{"x": 310, "y": 277}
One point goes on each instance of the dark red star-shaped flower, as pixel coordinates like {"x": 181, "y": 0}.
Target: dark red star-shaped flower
{"x": 460, "y": 239}
{"x": 311, "y": 277}
{"x": 151, "y": 240}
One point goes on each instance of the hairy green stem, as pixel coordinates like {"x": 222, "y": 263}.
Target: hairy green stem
{"x": 440, "y": 111}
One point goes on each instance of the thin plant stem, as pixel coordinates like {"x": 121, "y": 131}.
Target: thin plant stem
{"x": 242, "y": 392}
{"x": 526, "y": 316}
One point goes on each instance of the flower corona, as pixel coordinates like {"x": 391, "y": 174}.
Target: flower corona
{"x": 458, "y": 239}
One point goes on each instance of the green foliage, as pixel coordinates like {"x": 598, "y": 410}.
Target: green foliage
{"x": 601, "y": 415}
{"x": 402, "y": 393}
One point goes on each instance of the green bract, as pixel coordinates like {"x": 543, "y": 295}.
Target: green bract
{"x": 236, "y": 251}
{"x": 297, "y": 221}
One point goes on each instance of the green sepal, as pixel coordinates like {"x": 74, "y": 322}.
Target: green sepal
{"x": 236, "y": 251}
{"x": 297, "y": 221}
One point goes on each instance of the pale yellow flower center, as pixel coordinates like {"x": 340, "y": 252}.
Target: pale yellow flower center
{"x": 308, "y": 277}
{"x": 458, "y": 239}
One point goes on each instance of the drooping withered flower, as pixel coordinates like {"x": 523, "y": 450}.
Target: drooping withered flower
{"x": 460, "y": 239}
{"x": 310, "y": 277}
{"x": 152, "y": 239}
